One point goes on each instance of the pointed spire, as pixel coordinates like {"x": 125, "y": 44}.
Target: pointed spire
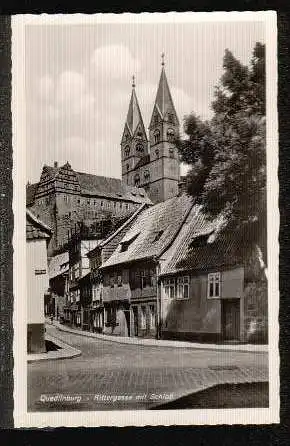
{"x": 163, "y": 100}
{"x": 134, "y": 117}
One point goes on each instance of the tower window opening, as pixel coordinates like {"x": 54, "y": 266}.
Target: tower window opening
{"x": 156, "y": 136}
{"x": 139, "y": 134}
{"x": 156, "y": 119}
{"x": 170, "y": 135}
{"x": 171, "y": 153}
{"x": 127, "y": 151}
{"x": 157, "y": 153}
{"x": 146, "y": 175}
{"x": 170, "y": 118}
{"x": 137, "y": 180}
{"x": 139, "y": 147}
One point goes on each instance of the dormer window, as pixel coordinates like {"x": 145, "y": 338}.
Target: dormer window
{"x": 200, "y": 241}
{"x": 170, "y": 135}
{"x": 127, "y": 151}
{"x": 156, "y": 136}
{"x": 126, "y": 242}
{"x": 158, "y": 235}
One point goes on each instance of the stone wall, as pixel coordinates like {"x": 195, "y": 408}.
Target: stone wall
{"x": 256, "y": 311}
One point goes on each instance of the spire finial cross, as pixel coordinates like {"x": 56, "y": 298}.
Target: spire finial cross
{"x": 133, "y": 81}
{"x": 162, "y": 59}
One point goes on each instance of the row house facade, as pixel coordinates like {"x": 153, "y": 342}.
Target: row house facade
{"x": 168, "y": 272}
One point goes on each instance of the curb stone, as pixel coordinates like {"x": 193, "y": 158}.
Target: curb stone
{"x": 65, "y": 352}
{"x": 252, "y": 348}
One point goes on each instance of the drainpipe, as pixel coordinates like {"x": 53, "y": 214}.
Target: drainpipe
{"x": 158, "y": 300}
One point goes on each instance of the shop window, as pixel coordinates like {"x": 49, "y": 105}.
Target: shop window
{"x": 143, "y": 318}
{"x": 169, "y": 288}
{"x": 214, "y": 285}
{"x": 183, "y": 287}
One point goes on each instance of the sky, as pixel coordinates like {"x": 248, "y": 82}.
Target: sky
{"x": 78, "y": 83}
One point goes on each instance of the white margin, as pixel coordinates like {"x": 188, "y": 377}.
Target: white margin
{"x": 22, "y": 418}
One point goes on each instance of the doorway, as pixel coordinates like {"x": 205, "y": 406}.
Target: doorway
{"x": 135, "y": 320}
{"x": 231, "y": 319}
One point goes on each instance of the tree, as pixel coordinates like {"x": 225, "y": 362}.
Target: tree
{"x": 228, "y": 154}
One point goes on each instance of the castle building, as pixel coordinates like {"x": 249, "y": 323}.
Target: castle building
{"x": 64, "y": 199}
{"x": 152, "y": 163}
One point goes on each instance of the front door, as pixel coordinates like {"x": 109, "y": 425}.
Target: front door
{"x": 231, "y": 319}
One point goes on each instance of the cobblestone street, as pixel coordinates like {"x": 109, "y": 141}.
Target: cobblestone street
{"x": 110, "y": 376}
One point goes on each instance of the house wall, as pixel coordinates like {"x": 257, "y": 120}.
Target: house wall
{"x": 37, "y": 285}
{"x": 199, "y": 316}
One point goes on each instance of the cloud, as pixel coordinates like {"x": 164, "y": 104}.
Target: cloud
{"x": 114, "y": 62}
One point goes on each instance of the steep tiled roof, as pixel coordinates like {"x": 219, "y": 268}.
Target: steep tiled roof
{"x": 58, "y": 265}
{"x": 215, "y": 251}
{"x": 36, "y": 229}
{"x": 134, "y": 117}
{"x": 96, "y": 185}
{"x": 30, "y": 193}
{"x": 154, "y": 229}
{"x": 163, "y": 101}
{"x": 110, "y": 187}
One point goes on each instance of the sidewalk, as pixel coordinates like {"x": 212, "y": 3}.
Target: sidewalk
{"x": 65, "y": 351}
{"x": 165, "y": 343}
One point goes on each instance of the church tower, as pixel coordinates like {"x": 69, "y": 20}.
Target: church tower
{"x": 164, "y": 158}
{"x": 134, "y": 143}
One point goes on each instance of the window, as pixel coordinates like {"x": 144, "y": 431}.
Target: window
{"x": 137, "y": 180}
{"x": 214, "y": 285}
{"x": 157, "y": 153}
{"x": 169, "y": 288}
{"x": 170, "y": 135}
{"x": 158, "y": 235}
{"x": 126, "y": 242}
{"x": 119, "y": 280}
{"x": 156, "y": 136}
{"x": 143, "y": 318}
{"x": 127, "y": 151}
{"x": 152, "y": 316}
{"x": 139, "y": 135}
{"x": 139, "y": 147}
{"x": 200, "y": 241}
{"x": 171, "y": 153}
{"x": 183, "y": 287}
{"x": 146, "y": 278}
{"x": 112, "y": 281}
{"x": 127, "y": 167}
{"x": 170, "y": 118}
{"x": 146, "y": 175}
{"x": 156, "y": 119}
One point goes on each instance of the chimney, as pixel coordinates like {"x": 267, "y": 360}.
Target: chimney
{"x": 55, "y": 164}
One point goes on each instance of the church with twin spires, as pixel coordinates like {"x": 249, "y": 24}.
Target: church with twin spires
{"x": 152, "y": 161}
